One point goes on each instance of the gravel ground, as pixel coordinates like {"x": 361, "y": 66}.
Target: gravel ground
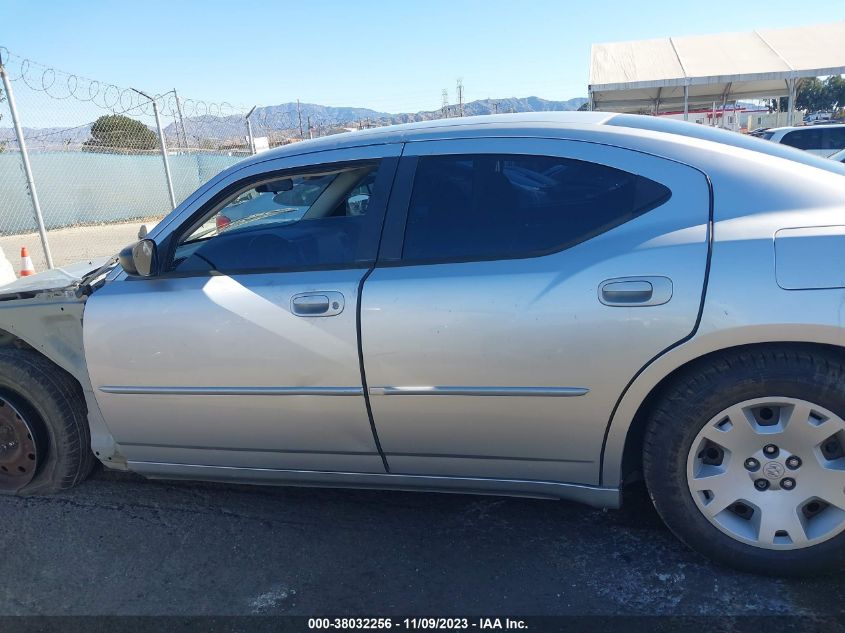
{"x": 73, "y": 244}
{"x": 123, "y": 545}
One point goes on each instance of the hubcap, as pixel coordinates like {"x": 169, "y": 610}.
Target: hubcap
{"x": 770, "y": 472}
{"x": 18, "y": 451}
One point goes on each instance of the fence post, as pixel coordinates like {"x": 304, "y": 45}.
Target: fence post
{"x": 163, "y": 146}
{"x": 249, "y": 130}
{"x": 181, "y": 120}
{"x": 36, "y": 205}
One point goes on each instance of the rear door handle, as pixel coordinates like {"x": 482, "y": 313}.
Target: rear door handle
{"x": 317, "y": 304}
{"x": 635, "y": 291}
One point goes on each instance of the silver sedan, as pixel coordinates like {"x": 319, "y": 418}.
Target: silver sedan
{"x": 547, "y": 305}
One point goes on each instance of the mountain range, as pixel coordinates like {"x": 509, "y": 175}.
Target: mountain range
{"x": 286, "y": 119}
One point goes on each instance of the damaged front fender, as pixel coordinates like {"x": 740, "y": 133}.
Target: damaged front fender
{"x": 51, "y": 323}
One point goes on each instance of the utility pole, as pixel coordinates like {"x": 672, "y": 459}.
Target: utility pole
{"x": 460, "y": 88}
{"x": 444, "y": 109}
{"x": 495, "y": 107}
{"x": 299, "y": 113}
{"x": 310, "y": 134}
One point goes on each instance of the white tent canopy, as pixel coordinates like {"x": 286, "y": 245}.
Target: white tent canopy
{"x": 695, "y": 71}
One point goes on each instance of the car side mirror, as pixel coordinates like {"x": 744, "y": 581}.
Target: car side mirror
{"x": 139, "y": 259}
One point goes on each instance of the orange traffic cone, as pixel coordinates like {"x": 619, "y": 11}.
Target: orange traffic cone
{"x": 27, "y": 268}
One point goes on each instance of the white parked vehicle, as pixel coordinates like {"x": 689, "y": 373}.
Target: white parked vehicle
{"x": 822, "y": 140}
{"x": 840, "y": 156}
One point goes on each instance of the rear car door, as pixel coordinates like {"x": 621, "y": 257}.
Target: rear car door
{"x": 243, "y": 350}
{"x": 521, "y": 286}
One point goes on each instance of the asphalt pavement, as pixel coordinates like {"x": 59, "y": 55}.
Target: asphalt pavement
{"x": 122, "y": 545}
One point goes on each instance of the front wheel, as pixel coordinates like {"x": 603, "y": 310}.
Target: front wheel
{"x": 45, "y": 444}
{"x": 744, "y": 460}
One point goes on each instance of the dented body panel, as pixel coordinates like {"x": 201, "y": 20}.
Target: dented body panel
{"x": 51, "y": 323}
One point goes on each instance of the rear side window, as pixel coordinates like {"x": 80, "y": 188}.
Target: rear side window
{"x": 836, "y": 138}
{"x": 487, "y": 206}
{"x": 807, "y": 139}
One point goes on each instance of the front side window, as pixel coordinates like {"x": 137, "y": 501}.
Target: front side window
{"x": 296, "y": 221}
{"x": 488, "y": 206}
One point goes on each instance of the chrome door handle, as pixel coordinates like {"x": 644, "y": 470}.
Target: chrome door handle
{"x": 635, "y": 291}
{"x": 317, "y": 304}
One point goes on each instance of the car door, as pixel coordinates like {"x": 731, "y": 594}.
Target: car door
{"x": 522, "y": 285}
{"x": 243, "y": 350}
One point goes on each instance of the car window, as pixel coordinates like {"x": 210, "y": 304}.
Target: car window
{"x": 807, "y": 139}
{"x": 293, "y": 222}
{"x": 505, "y": 206}
{"x": 835, "y": 138}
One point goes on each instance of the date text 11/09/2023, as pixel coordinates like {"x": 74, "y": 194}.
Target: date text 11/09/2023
{"x": 430, "y": 624}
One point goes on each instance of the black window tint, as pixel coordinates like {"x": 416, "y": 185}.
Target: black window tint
{"x": 836, "y": 138}
{"x": 500, "y": 206}
{"x": 808, "y": 138}
{"x": 296, "y": 222}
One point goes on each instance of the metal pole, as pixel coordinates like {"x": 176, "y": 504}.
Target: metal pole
{"x": 181, "y": 119}
{"x": 790, "y": 112}
{"x": 249, "y": 130}
{"x": 30, "y": 180}
{"x": 163, "y": 145}
{"x": 686, "y": 102}
{"x": 164, "y": 157}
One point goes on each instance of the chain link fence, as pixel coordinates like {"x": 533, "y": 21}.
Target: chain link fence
{"x": 106, "y": 158}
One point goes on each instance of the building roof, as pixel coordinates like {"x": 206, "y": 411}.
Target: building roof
{"x": 630, "y": 76}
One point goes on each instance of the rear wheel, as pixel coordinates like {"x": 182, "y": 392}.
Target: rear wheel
{"x": 744, "y": 459}
{"x": 45, "y": 444}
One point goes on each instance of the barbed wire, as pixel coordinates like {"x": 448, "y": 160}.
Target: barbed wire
{"x": 62, "y": 85}
{"x": 187, "y": 123}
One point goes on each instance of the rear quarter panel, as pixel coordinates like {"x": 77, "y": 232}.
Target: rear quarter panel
{"x": 756, "y": 197}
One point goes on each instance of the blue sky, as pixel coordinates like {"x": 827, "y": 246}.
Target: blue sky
{"x": 392, "y": 55}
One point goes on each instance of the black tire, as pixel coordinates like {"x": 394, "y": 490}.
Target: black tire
{"x": 699, "y": 394}
{"x": 53, "y": 404}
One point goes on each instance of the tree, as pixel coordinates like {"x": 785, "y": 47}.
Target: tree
{"x": 811, "y": 95}
{"x": 815, "y": 95}
{"x": 115, "y": 132}
{"x": 834, "y": 87}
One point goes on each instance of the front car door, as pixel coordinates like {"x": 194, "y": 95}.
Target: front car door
{"x": 522, "y": 285}
{"x": 242, "y": 352}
